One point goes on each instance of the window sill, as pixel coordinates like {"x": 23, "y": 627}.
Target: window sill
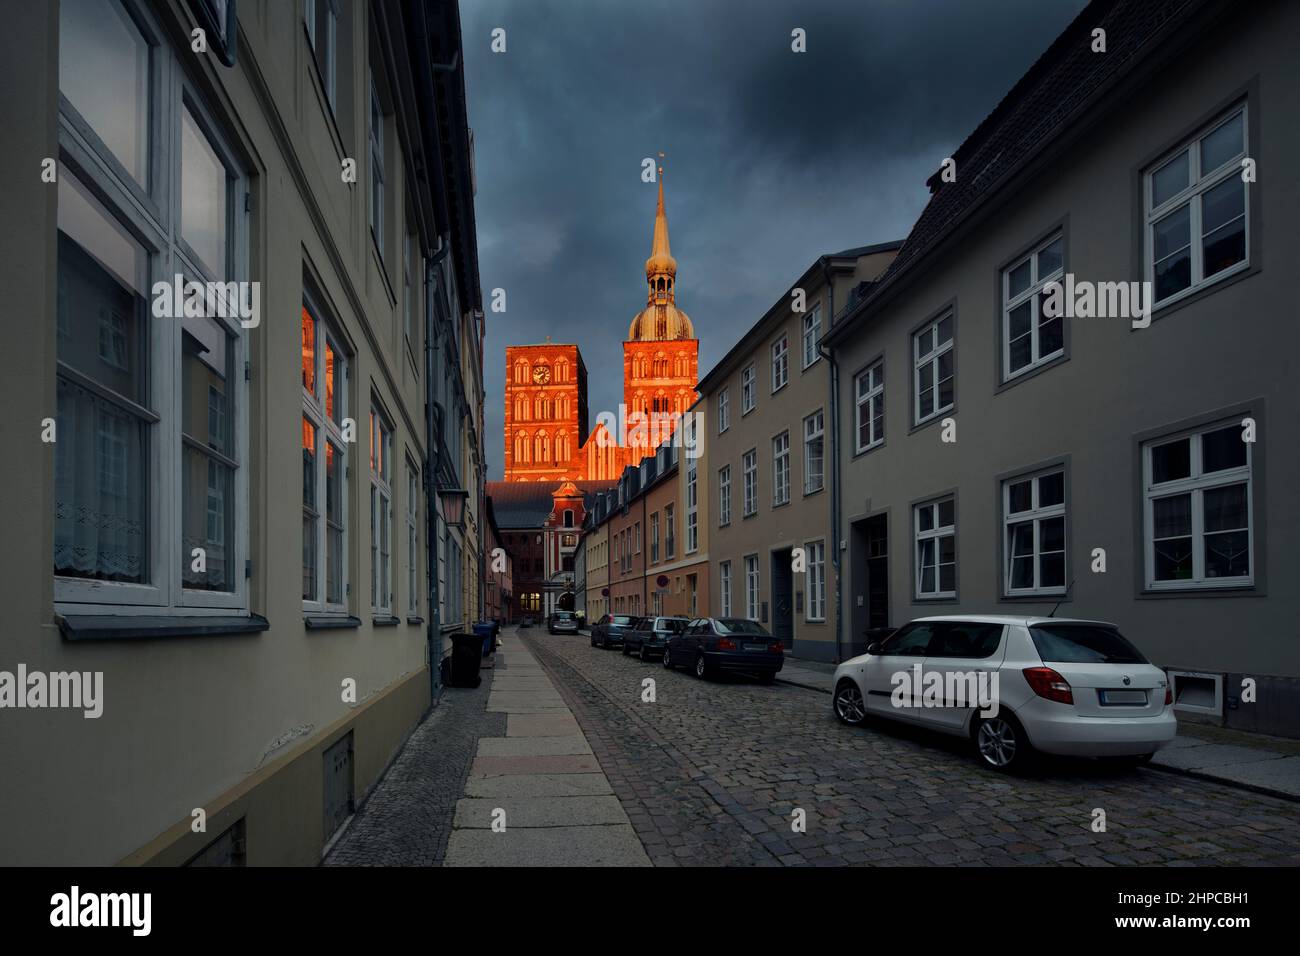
{"x": 415, "y": 621}
{"x": 1224, "y": 590}
{"x": 815, "y": 491}
{"x": 111, "y": 627}
{"x": 328, "y": 622}
{"x": 389, "y": 621}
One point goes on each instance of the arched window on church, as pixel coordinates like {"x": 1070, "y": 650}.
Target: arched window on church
{"x": 521, "y": 447}
{"x": 561, "y": 370}
{"x": 521, "y": 370}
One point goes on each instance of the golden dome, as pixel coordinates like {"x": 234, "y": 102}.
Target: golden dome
{"x": 656, "y": 323}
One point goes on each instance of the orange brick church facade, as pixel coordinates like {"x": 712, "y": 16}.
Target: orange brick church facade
{"x": 546, "y": 427}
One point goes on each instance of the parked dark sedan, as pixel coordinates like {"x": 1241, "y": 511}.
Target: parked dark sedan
{"x": 609, "y": 630}
{"x": 651, "y": 634}
{"x": 710, "y": 645}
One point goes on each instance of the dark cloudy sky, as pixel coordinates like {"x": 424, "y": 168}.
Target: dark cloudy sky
{"x": 773, "y": 157}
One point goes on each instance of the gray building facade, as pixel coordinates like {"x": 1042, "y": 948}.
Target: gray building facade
{"x": 998, "y": 456}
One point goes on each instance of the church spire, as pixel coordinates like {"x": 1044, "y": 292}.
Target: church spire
{"x": 661, "y": 267}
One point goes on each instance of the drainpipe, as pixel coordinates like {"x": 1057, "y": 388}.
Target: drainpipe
{"x": 833, "y": 429}
{"x": 645, "y": 544}
{"x": 431, "y": 464}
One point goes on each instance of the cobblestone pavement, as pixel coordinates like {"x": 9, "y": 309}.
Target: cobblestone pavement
{"x": 712, "y": 772}
{"x": 407, "y": 819}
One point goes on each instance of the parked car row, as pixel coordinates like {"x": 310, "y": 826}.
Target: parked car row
{"x": 707, "y": 646}
{"x": 1013, "y": 686}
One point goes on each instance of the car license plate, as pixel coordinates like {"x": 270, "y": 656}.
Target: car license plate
{"x": 1123, "y": 697}
{"x": 755, "y": 647}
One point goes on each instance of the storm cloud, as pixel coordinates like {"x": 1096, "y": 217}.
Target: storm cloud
{"x": 773, "y": 158}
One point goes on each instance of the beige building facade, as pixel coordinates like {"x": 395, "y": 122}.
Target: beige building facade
{"x": 764, "y": 472}
{"x": 226, "y": 524}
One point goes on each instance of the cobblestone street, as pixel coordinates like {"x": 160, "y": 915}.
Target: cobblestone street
{"x": 711, "y": 773}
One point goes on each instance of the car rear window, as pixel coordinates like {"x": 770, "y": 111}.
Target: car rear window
{"x": 1083, "y": 644}
{"x": 740, "y": 625}
{"x": 563, "y": 615}
{"x": 675, "y": 625}
{"x": 623, "y": 619}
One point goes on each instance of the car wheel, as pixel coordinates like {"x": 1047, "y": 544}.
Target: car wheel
{"x": 702, "y": 667}
{"x": 850, "y": 707}
{"x": 626, "y": 651}
{"x": 1001, "y": 743}
{"x": 642, "y": 654}
{"x": 593, "y": 640}
{"x": 668, "y": 661}
{"x": 767, "y": 677}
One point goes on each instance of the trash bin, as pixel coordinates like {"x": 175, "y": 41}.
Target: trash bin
{"x": 466, "y": 655}
{"x": 488, "y": 632}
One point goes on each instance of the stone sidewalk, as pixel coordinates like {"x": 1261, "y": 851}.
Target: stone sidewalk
{"x": 540, "y": 780}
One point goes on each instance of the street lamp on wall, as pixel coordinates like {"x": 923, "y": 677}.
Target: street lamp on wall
{"x": 453, "y": 506}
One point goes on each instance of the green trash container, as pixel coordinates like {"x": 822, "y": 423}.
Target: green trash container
{"x": 466, "y": 655}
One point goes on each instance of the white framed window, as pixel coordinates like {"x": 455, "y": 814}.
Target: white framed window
{"x": 151, "y": 488}
{"x": 749, "y": 477}
{"x": 748, "y": 398}
{"x": 751, "y": 587}
{"x": 1029, "y": 337}
{"x": 1197, "y": 507}
{"x": 816, "y": 581}
{"x": 322, "y": 18}
{"x": 324, "y": 463}
{"x": 381, "y": 514}
{"x": 934, "y": 572}
{"x": 780, "y": 363}
{"x": 692, "y": 506}
{"x": 724, "y": 410}
{"x": 781, "y": 469}
{"x": 724, "y": 496}
{"x": 814, "y": 453}
{"x": 1196, "y": 211}
{"x": 670, "y": 533}
{"x": 812, "y": 334}
{"x": 1033, "y": 515}
{"x": 933, "y": 360}
{"x": 654, "y": 538}
{"x": 377, "y": 197}
{"x": 724, "y": 589}
{"x": 412, "y": 539}
{"x": 637, "y": 531}
{"x": 869, "y": 406}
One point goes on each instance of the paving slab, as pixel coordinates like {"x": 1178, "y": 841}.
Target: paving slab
{"x": 496, "y": 766}
{"x": 559, "y": 846}
{"x": 533, "y": 746}
{"x": 542, "y": 710}
{"x": 527, "y": 785}
{"x": 532, "y": 725}
{"x": 1274, "y": 775}
{"x": 478, "y": 814}
{"x": 1212, "y": 756}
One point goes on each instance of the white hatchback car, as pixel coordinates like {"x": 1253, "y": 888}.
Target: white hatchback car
{"x": 1014, "y": 685}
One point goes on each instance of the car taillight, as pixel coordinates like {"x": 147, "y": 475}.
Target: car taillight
{"x": 1045, "y": 682}
{"x": 1169, "y": 694}
{"x": 726, "y": 644}
{"x": 778, "y": 648}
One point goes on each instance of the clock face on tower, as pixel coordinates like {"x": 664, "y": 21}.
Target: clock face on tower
{"x": 542, "y": 374}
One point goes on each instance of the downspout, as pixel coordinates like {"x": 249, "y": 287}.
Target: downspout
{"x": 645, "y": 543}
{"x": 432, "y": 463}
{"x": 834, "y": 443}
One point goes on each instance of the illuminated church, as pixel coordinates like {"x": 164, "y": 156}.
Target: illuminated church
{"x": 546, "y": 388}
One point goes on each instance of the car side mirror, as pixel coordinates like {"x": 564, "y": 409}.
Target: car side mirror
{"x": 874, "y": 648}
